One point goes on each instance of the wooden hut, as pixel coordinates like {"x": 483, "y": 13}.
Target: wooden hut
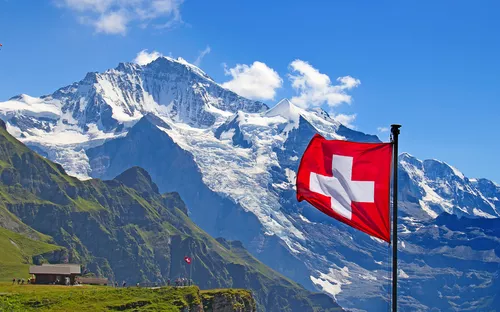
{"x": 61, "y": 274}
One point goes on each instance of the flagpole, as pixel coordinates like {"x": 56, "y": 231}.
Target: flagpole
{"x": 394, "y": 139}
{"x": 190, "y": 271}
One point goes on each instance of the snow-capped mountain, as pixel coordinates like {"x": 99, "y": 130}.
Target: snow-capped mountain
{"x": 234, "y": 162}
{"x": 438, "y": 187}
{"x": 105, "y": 105}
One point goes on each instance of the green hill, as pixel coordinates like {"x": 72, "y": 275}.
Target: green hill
{"x": 124, "y": 229}
{"x": 15, "y": 298}
{"x": 18, "y": 252}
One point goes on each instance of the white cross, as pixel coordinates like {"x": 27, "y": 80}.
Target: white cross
{"x": 340, "y": 188}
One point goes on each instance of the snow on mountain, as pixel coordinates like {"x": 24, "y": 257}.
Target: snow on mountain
{"x": 29, "y": 106}
{"x": 440, "y": 188}
{"x": 245, "y": 156}
{"x": 105, "y": 105}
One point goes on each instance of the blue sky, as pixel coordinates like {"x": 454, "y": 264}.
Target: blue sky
{"x": 432, "y": 66}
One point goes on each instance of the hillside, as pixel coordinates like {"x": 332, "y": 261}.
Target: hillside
{"x": 88, "y": 298}
{"x": 125, "y": 229}
{"x": 18, "y": 252}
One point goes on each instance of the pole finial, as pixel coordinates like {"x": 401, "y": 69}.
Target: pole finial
{"x": 394, "y": 131}
{"x": 395, "y": 127}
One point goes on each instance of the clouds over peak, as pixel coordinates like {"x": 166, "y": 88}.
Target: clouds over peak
{"x": 144, "y": 57}
{"x": 312, "y": 88}
{"x": 345, "y": 119}
{"x": 257, "y": 81}
{"x": 316, "y": 89}
{"x": 117, "y": 16}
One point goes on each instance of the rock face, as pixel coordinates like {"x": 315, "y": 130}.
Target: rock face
{"x": 234, "y": 161}
{"x": 228, "y": 301}
{"x": 124, "y": 229}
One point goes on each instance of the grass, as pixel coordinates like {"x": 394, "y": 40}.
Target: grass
{"x": 87, "y": 205}
{"x": 102, "y": 298}
{"x": 17, "y": 252}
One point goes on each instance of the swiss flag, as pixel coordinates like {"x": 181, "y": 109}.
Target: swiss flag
{"x": 348, "y": 181}
{"x": 187, "y": 259}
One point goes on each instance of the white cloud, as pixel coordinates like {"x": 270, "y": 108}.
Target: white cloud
{"x": 257, "y": 81}
{"x": 116, "y": 16}
{"x": 202, "y": 54}
{"x": 345, "y": 119}
{"x": 144, "y": 57}
{"x": 112, "y": 23}
{"x": 383, "y": 129}
{"x": 316, "y": 89}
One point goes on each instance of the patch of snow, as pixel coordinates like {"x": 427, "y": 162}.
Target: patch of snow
{"x": 482, "y": 214}
{"x": 405, "y": 229}
{"x": 402, "y": 274}
{"x": 427, "y": 209}
{"x": 291, "y": 176}
{"x": 368, "y": 277}
{"x": 30, "y": 106}
{"x": 432, "y": 197}
{"x": 227, "y": 135}
{"x": 304, "y": 219}
{"x": 332, "y": 281}
{"x": 378, "y": 240}
{"x": 457, "y": 172}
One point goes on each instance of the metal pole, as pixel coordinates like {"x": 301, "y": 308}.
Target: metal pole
{"x": 395, "y": 134}
{"x": 190, "y": 271}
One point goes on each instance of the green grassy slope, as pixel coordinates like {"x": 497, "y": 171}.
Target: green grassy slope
{"x": 17, "y": 252}
{"x": 94, "y": 298}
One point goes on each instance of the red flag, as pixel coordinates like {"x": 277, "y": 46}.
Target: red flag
{"x": 187, "y": 259}
{"x": 349, "y": 182}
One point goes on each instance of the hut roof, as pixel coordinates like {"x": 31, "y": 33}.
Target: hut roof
{"x": 63, "y": 269}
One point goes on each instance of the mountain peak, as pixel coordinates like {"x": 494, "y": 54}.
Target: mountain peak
{"x": 285, "y": 109}
{"x": 163, "y": 61}
{"x": 138, "y": 179}
{"x": 91, "y": 77}
{"x": 404, "y": 156}
{"x": 431, "y": 164}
